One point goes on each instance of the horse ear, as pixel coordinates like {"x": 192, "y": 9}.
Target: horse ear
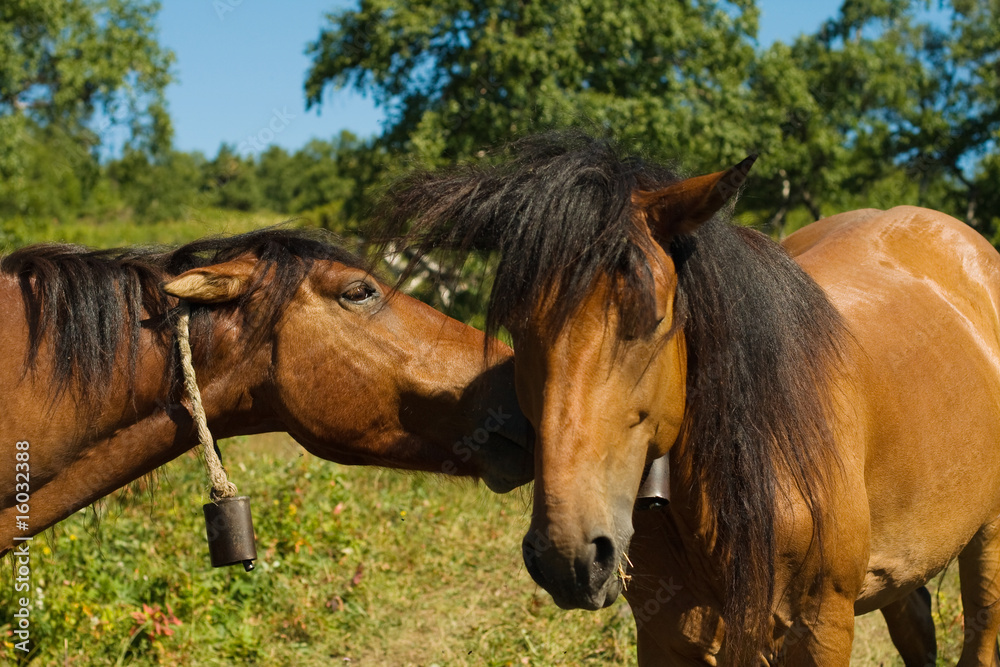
{"x": 680, "y": 208}
{"x": 217, "y": 283}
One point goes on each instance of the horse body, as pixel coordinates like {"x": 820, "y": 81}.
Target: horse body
{"x": 918, "y": 417}
{"x": 289, "y": 334}
{"x": 831, "y": 420}
{"x": 76, "y": 456}
{"x": 920, "y": 293}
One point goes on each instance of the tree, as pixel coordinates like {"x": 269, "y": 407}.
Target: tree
{"x": 904, "y": 101}
{"x": 955, "y": 129}
{"x": 830, "y": 104}
{"x": 276, "y": 176}
{"x": 881, "y": 106}
{"x": 157, "y": 188}
{"x": 458, "y": 75}
{"x": 987, "y": 181}
{"x": 318, "y": 180}
{"x": 230, "y": 181}
{"x": 69, "y": 70}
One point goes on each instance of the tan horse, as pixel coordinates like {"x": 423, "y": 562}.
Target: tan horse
{"x": 831, "y": 409}
{"x": 289, "y": 332}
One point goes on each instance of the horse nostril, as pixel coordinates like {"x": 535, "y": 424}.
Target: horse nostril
{"x": 605, "y": 558}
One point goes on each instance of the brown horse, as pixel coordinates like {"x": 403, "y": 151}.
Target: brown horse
{"x": 289, "y": 333}
{"x": 830, "y": 409}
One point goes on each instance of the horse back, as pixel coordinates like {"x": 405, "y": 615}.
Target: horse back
{"x": 919, "y": 292}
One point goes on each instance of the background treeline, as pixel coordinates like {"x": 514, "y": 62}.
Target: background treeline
{"x": 63, "y": 186}
{"x": 888, "y": 102}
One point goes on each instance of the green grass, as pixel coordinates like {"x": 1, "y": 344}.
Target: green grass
{"x": 368, "y": 565}
{"x": 115, "y": 232}
{"x": 357, "y": 566}
{"x": 872, "y": 645}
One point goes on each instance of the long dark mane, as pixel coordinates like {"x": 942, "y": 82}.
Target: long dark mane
{"x": 90, "y": 305}
{"x": 762, "y": 339}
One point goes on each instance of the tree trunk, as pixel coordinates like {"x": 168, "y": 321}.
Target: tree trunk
{"x": 970, "y": 210}
{"x": 811, "y": 205}
{"x": 777, "y": 223}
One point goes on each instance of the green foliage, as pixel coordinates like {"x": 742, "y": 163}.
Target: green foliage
{"x": 317, "y": 177}
{"x": 878, "y": 96}
{"x": 312, "y": 177}
{"x": 62, "y": 61}
{"x": 877, "y": 108}
{"x": 831, "y": 102}
{"x": 157, "y": 188}
{"x": 988, "y": 189}
{"x": 275, "y": 172}
{"x": 354, "y": 563}
{"x": 326, "y": 183}
{"x": 881, "y": 96}
{"x": 69, "y": 71}
{"x": 232, "y": 181}
{"x": 122, "y": 231}
{"x": 54, "y": 176}
{"x": 456, "y": 76}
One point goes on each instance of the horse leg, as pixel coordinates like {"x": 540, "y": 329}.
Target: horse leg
{"x": 911, "y": 627}
{"x": 675, "y": 621}
{"x": 979, "y": 572}
{"x": 653, "y": 651}
{"x": 823, "y": 642}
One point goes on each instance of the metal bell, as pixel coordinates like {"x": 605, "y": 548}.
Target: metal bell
{"x": 655, "y": 488}
{"x": 229, "y": 528}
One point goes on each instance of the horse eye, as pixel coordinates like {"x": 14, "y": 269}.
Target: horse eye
{"x": 359, "y": 292}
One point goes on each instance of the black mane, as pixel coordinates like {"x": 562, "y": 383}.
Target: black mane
{"x": 91, "y": 304}
{"x": 762, "y": 339}
{"x": 558, "y": 213}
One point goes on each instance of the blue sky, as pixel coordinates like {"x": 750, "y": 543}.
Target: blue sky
{"x": 241, "y": 66}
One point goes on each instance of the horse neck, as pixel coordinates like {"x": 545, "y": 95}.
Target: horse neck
{"x": 231, "y": 380}
{"x": 82, "y": 450}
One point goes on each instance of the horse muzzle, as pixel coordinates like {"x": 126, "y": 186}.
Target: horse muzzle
{"x": 582, "y": 578}
{"x": 505, "y": 464}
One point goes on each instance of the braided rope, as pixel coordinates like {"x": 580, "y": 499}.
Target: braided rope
{"x": 221, "y": 486}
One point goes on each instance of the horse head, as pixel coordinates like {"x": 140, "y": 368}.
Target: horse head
{"x": 605, "y": 389}
{"x": 360, "y": 374}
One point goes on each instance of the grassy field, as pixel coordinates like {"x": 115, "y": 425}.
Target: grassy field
{"x": 357, "y": 566}
{"x": 116, "y": 232}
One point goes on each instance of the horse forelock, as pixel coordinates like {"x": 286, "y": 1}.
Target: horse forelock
{"x": 90, "y": 305}
{"x": 556, "y": 214}
{"x": 762, "y": 339}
